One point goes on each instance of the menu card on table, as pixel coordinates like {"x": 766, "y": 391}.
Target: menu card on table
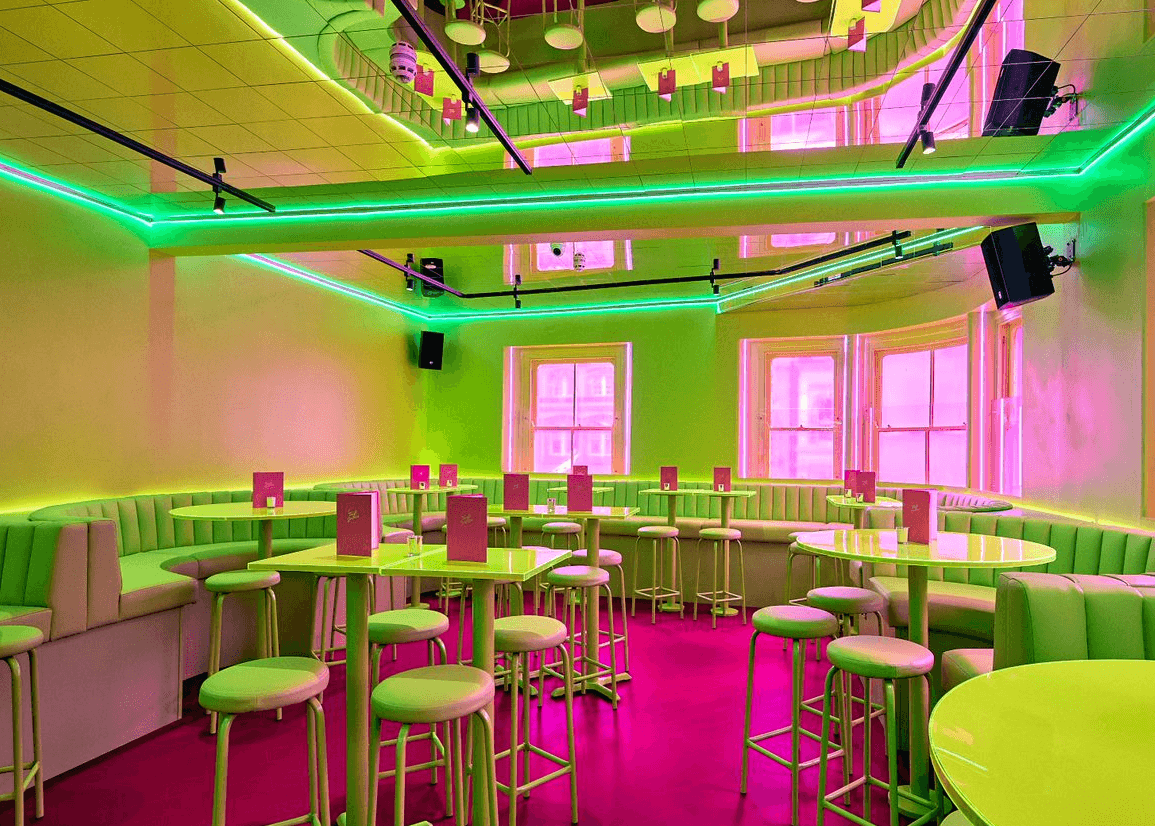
{"x": 268, "y": 486}
{"x": 669, "y": 477}
{"x": 466, "y": 531}
{"x": 583, "y": 470}
{"x": 920, "y": 514}
{"x": 579, "y": 492}
{"x": 447, "y": 476}
{"x": 850, "y": 482}
{"x": 358, "y": 523}
{"x": 722, "y": 479}
{"x": 515, "y": 493}
{"x": 867, "y": 485}
{"x": 419, "y": 477}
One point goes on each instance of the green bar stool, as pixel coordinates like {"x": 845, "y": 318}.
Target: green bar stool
{"x": 239, "y": 582}
{"x": 870, "y": 657}
{"x": 719, "y": 598}
{"x": 849, "y": 604}
{"x": 796, "y": 624}
{"x": 956, "y": 818}
{"x": 792, "y": 552}
{"x": 509, "y": 599}
{"x": 571, "y": 581}
{"x": 555, "y": 529}
{"x": 496, "y": 525}
{"x": 610, "y": 559}
{"x": 328, "y": 589}
{"x": 264, "y": 685}
{"x": 517, "y": 638}
{"x": 14, "y": 641}
{"x": 430, "y": 696}
{"x": 659, "y": 534}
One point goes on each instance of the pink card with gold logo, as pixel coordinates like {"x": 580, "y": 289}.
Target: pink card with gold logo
{"x": 669, "y": 477}
{"x": 850, "y": 481}
{"x": 579, "y": 492}
{"x": 920, "y": 514}
{"x": 722, "y": 479}
{"x": 419, "y": 477}
{"x": 867, "y": 485}
{"x": 466, "y": 528}
{"x": 355, "y": 524}
{"x": 515, "y": 493}
{"x": 266, "y": 486}
{"x": 583, "y": 470}
{"x": 447, "y": 476}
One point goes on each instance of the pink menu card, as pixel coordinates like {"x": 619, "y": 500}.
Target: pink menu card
{"x": 669, "y": 477}
{"x": 447, "y": 476}
{"x": 266, "y": 486}
{"x": 920, "y": 514}
{"x": 579, "y": 491}
{"x": 867, "y": 485}
{"x": 850, "y": 481}
{"x": 375, "y": 514}
{"x": 466, "y": 531}
{"x": 722, "y": 479}
{"x": 419, "y": 477}
{"x": 582, "y": 470}
{"x": 515, "y": 495}
{"x": 355, "y": 523}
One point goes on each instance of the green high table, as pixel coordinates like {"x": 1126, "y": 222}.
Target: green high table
{"x": 727, "y": 498}
{"x": 417, "y": 496}
{"x": 841, "y": 500}
{"x": 591, "y": 614}
{"x": 950, "y": 550}
{"x": 1049, "y": 744}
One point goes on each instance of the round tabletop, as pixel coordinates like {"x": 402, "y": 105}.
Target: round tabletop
{"x": 244, "y": 511}
{"x": 664, "y": 492}
{"x": 950, "y": 550}
{"x": 841, "y": 500}
{"x": 428, "y": 490}
{"x": 1054, "y": 744}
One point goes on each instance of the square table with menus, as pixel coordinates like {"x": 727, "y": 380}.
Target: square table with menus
{"x": 590, "y": 613}
{"x": 418, "y": 495}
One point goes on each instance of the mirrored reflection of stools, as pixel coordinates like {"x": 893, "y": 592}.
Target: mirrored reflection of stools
{"x": 872, "y": 658}
{"x": 720, "y": 596}
{"x": 14, "y": 641}
{"x": 610, "y": 559}
{"x": 239, "y": 582}
{"x": 430, "y": 696}
{"x": 795, "y": 624}
{"x": 517, "y": 638}
{"x": 572, "y": 583}
{"x": 263, "y": 685}
{"x": 665, "y": 539}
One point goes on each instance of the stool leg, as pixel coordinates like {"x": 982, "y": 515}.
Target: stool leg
{"x": 319, "y": 641}
{"x": 742, "y": 579}
{"x": 221, "y": 779}
{"x": 322, "y": 761}
{"x": 17, "y": 741}
{"x": 215, "y": 648}
{"x": 714, "y": 588}
{"x": 514, "y": 738}
{"x": 866, "y": 787}
{"x": 569, "y": 733}
{"x": 891, "y": 748}
{"x": 272, "y": 636}
{"x": 336, "y": 583}
{"x": 399, "y": 784}
{"x": 824, "y": 745}
{"x": 490, "y": 763}
{"x": 34, "y": 680}
{"x": 845, "y": 718}
{"x": 697, "y": 579}
{"x": 634, "y": 580}
{"x": 681, "y": 582}
{"x": 746, "y": 718}
{"x": 377, "y": 726}
{"x": 657, "y": 568}
{"x": 625, "y": 627}
{"x": 526, "y": 677}
{"x": 613, "y": 656}
{"x": 311, "y": 754}
{"x": 457, "y": 773}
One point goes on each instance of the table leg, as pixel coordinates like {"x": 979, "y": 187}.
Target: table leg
{"x": 264, "y": 551}
{"x": 415, "y": 582}
{"x": 919, "y": 632}
{"x": 671, "y": 604}
{"x": 515, "y": 531}
{"x": 482, "y": 658}
{"x": 356, "y": 699}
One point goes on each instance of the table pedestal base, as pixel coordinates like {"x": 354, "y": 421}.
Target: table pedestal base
{"x": 598, "y": 688}
{"x": 671, "y": 607}
{"x": 724, "y": 611}
{"x": 909, "y": 807}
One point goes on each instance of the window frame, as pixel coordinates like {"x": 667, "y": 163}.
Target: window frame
{"x": 518, "y": 429}
{"x": 1005, "y": 402}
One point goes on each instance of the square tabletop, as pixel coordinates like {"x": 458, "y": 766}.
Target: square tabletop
{"x": 517, "y": 564}
{"x": 431, "y": 489}
{"x": 597, "y": 512}
{"x": 324, "y": 559}
{"x": 726, "y": 494}
{"x": 664, "y": 492}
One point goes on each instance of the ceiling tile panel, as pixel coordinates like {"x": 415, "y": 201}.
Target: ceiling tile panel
{"x": 54, "y": 32}
{"x": 242, "y": 105}
{"x": 258, "y": 62}
{"x": 286, "y": 135}
{"x": 122, "y": 114}
{"x": 231, "y": 139}
{"x": 184, "y": 109}
{"x": 124, "y": 73}
{"x": 190, "y": 69}
{"x": 125, "y": 24}
{"x": 15, "y": 49}
{"x": 304, "y": 100}
{"x": 212, "y": 22}
{"x": 60, "y": 81}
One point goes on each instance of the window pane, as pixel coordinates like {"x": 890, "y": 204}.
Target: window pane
{"x": 948, "y": 458}
{"x": 599, "y": 255}
{"x": 902, "y": 457}
{"x": 551, "y": 451}
{"x": 594, "y": 448}
{"x": 810, "y": 129}
{"x": 803, "y": 239}
{"x": 573, "y": 153}
{"x": 594, "y": 405}
{"x": 555, "y": 396}
{"x": 808, "y": 455}
{"x": 905, "y": 390}
{"x": 950, "y": 386}
{"x": 802, "y": 392}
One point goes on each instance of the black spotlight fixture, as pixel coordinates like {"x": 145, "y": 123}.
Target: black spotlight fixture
{"x": 714, "y": 285}
{"x": 472, "y": 120}
{"x": 219, "y": 204}
{"x": 218, "y": 176}
{"x": 516, "y": 287}
{"x": 925, "y": 135}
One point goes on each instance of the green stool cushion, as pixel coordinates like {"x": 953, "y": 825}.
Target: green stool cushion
{"x": 720, "y": 533}
{"x": 658, "y": 531}
{"x": 577, "y": 576}
{"x": 231, "y": 582}
{"x": 795, "y": 622}
{"x": 561, "y": 527}
{"x": 16, "y": 639}
{"x": 879, "y": 657}
{"x": 434, "y": 694}
{"x": 516, "y": 635}
{"x": 262, "y": 685}
{"x": 406, "y": 625}
{"x": 495, "y": 522}
{"x": 606, "y": 557}
{"x": 846, "y": 599}
{"x": 956, "y": 818}
{"x": 961, "y": 664}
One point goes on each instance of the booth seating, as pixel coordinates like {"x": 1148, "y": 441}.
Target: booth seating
{"x": 1048, "y": 617}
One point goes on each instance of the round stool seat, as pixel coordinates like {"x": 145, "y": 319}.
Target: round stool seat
{"x": 16, "y": 639}
{"x": 517, "y": 635}
{"x": 495, "y": 522}
{"x": 434, "y": 694}
{"x": 606, "y": 558}
{"x": 263, "y": 685}
{"x": 578, "y": 576}
{"x": 880, "y": 657}
{"x": 234, "y": 582}
{"x": 406, "y": 625}
{"x": 956, "y": 818}
{"x": 846, "y": 599}
{"x": 795, "y": 622}
{"x": 561, "y": 528}
{"x": 720, "y": 533}
{"x": 658, "y": 531}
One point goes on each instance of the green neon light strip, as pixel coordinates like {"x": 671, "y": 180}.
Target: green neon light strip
{"x": 53, "y": 187}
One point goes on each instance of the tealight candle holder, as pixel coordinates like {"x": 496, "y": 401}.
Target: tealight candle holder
{"x": 271, "y": 502}
{"x": 903, "y": 536}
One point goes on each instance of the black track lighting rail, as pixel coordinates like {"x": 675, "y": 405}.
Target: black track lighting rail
{"x": 936, "y": 250}
{"x": 80, "y": 120}
{"x": 412, "y": 273}
{"x": 463, "y": 84}
{"x": 957, "y": 59}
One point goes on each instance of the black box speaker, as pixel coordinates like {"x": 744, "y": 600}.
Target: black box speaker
{"x": 1018, "y": 265}
{"x": 433, "y": 268}
{"x": 1022, "y": 94}
{"x": 432, "y": 344}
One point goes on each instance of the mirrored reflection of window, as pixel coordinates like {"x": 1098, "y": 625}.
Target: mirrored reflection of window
{"x": 803, "y": 417}
{"x": 599, "y": 255}
{"x": 569, "y": 152}
{"x": 1007, "y": 425}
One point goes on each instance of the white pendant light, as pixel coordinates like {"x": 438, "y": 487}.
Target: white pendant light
{"x": 656, "y": 18}
{"x": 717, "y": 11}
{"x": 492, "y": 63}
{"x": 465, "y": 32}
{"x": 564, "y": 36}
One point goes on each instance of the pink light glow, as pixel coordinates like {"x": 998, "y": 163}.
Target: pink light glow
{"x": 802, "y": 417}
